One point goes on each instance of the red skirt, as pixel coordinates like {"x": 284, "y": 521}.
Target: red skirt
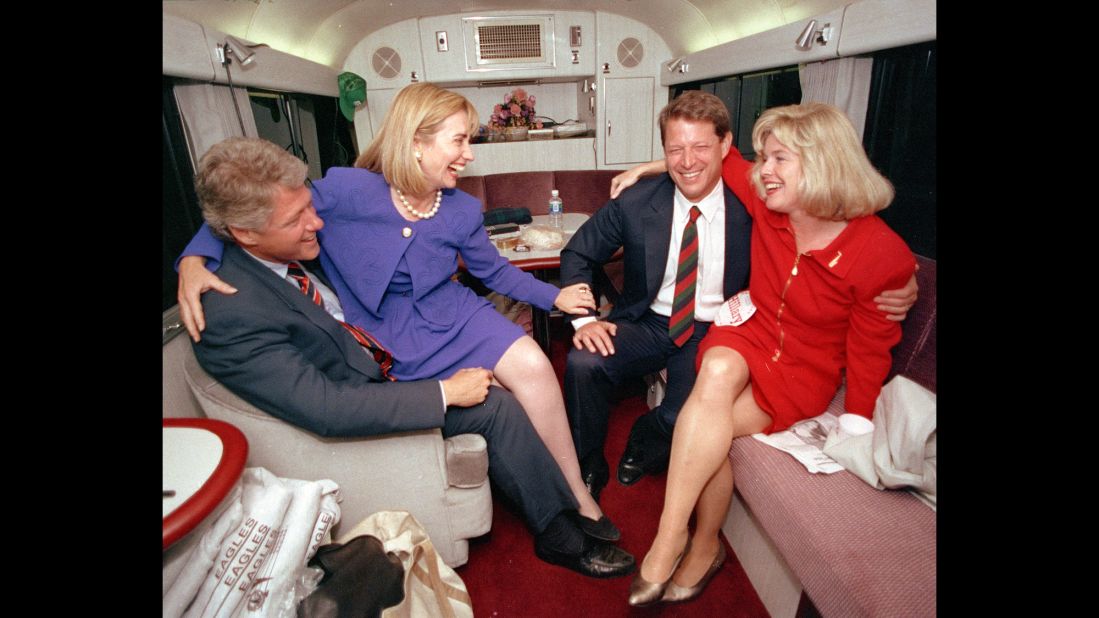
{"x": 788, "y": 389}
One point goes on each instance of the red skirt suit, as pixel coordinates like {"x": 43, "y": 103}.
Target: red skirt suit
{"x": 828, "y": 319}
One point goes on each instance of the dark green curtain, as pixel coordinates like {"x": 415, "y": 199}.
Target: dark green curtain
{"x": 900, "y": 139}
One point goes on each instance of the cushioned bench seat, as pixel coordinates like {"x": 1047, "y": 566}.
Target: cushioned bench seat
{"x": 854, "y": 550}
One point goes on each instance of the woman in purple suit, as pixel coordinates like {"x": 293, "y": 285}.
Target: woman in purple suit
{"x": 394, "y": 226}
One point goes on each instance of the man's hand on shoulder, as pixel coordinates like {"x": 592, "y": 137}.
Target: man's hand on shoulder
{"x": 596, "y": 337}
{"x": 896, "y": 303}
{"x": 468, "y": 387}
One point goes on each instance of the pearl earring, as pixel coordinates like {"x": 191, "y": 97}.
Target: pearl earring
{"x": 419, "y": 156}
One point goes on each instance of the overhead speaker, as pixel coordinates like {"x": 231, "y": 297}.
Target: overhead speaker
{"x": 630, "y": 52}
{"x": 387, "y": 62}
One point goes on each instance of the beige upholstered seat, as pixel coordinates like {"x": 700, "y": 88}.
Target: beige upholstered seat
{"x": 443, "y": 483}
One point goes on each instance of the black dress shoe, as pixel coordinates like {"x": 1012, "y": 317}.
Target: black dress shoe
{"x": 595, "y": 473}
{"x": 644, "y": 455}
{"x": 596, "y": 559}
{"x": 601, "y": 529}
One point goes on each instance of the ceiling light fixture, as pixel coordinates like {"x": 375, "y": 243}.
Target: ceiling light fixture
{"x": 812, "y": 34}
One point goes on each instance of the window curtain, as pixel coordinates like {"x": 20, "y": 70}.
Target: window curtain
{"x": 843, "y": 82}
{"x": 209, "y": 117}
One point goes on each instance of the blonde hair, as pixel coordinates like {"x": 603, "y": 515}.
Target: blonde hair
{"x": 418, "y": 111}
{"x": 236, "y": 182}
{"x": 838, "y": 182}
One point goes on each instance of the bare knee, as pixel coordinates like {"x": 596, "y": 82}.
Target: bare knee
{"x": 525, "y": 361}
{"x": 722, "y": 363}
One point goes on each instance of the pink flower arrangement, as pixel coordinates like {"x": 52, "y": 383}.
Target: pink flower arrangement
{"x": 517, "y": 110}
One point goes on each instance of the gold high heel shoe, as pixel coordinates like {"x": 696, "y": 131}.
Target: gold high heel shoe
{"x": 676, "y": 592}
{"x": 644, "y": 592}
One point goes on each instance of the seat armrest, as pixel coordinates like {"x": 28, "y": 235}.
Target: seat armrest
{"x": 466, "y": 460}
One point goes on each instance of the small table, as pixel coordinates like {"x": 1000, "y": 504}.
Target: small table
{"x": 538, "y": 263}
{"x": 202, "y": 460}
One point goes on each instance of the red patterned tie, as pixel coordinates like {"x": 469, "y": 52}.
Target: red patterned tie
{"x": 380, "y": 354}
{"x": 681, "y": 324}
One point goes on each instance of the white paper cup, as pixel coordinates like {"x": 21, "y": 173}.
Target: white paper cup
{"x": 851, "y": 425}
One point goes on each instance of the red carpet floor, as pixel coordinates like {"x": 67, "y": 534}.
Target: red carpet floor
{"x": 505, "y": 578}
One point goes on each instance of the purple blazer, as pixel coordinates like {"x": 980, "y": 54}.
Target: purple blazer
{"x": 363, "y": 241}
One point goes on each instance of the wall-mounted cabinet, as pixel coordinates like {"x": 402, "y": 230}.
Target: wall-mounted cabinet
{"x": 630, "y": 54}
{"x": 577, "y": 153}
{"x": 627, "y": 120}
{"x": 566, "y": 75}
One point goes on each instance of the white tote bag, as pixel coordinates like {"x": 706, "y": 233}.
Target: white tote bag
{"x": 248, "y": 562}
{"x": 431, "y": 587}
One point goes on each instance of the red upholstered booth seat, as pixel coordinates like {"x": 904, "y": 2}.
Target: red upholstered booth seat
{"x": 581, "y": 190}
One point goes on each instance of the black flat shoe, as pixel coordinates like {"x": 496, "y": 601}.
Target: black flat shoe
{"x": 600, "y": 560}
{"x": 602, "y": 529}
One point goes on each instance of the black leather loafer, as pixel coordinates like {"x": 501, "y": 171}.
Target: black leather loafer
{"x": 602, "y": 529}
{"x": 647, "y": 451}
{"x": 641, "y": 458}
{"x": 598, "y": 559}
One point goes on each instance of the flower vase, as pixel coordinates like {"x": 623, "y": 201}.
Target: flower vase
{"x": 515, "y": 134}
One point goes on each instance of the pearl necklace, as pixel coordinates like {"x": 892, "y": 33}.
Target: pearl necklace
{"x": 423, "y": 215}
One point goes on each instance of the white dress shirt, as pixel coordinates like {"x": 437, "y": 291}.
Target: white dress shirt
{"x": 709, "y": 288}
{"x": 710, "y": 285}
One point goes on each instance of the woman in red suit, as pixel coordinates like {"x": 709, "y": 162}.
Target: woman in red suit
{"x": 819, "y": 257}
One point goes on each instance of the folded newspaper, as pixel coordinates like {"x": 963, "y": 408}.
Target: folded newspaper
{"x": 805, "y": 441}
{"x": 898, "y": 450}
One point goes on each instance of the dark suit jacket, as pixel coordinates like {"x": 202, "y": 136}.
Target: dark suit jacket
{"x": 273, "y": 347}
{"x": 640, "y": 221}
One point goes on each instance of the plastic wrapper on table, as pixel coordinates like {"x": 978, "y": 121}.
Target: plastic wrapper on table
{"x": 542, "y": 237}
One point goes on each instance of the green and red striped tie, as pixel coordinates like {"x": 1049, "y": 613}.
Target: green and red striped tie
{"x": 681, "y": 324}
{"x": 380, "y": 354}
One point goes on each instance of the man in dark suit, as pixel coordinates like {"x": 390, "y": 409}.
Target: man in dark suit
{"x": 278, "y": 341}
{"x": 648, "y": 222}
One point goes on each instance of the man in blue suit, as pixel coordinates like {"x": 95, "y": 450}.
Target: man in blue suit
{"x": 277, "y": 339}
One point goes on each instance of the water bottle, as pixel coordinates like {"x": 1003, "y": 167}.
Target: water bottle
{"x": 556, "y": 209}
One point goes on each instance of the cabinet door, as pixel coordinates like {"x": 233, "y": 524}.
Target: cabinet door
{"x": 627, "y": 119}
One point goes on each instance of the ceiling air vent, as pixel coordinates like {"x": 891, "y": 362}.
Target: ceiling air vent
{"x": 630, "y": 52}
{"x": 386, "y": 62}
{"x": 509, "y": 42}
{"x": 494, "y": 43}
